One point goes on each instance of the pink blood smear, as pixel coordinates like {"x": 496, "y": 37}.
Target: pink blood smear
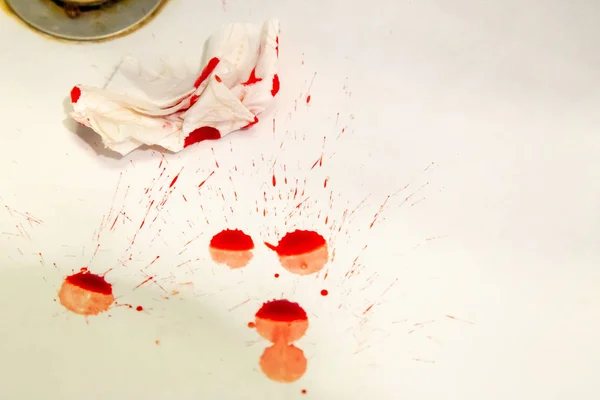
{"x": 90, "y": 282}
{"x": 200, "y": 134}
{"x": 281, "y": 311}
{"x": 275, "y": 88}
{"x": 210, "y": 67}
{"x": 75, "y": 94}
{"x": 298, "y": 242}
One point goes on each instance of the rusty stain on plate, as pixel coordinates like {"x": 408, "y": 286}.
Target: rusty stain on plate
{"x": 99, "y": 23}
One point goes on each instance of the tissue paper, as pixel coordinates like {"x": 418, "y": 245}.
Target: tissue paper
{"x": 173, "y": 108}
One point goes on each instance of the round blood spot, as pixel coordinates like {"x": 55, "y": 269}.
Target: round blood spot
{"x": 85, "y": 293}
{"x": 281, "y": 321}
{"x": 283, "y": 363}
{"x": 231, "y": 247}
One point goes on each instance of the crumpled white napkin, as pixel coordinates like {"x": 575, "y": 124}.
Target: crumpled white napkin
{"x": 172, "y": 107}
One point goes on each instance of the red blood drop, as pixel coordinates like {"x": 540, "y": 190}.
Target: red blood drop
{"x": 233, "y": 240}
{"x": 308, "y": 99}
{"x": 139, "y": 308}
{"x": 75, "y": 94}
{"x": 276, "y": 275}
{"x": 252, "y": 79}
{"x": 281, "y": 311}
{"x": 324, "y": 292}
{"x": 275, "y": 88}
{"x": 210, "y": 67}
{"x": 303, "y": 391}
{"x": 90, "y": 282}
{"x": 251, "y": 123}
{"x": 298, "y": 242}
{"x": 218, "y": 78}
{"x": 200, "y": 134}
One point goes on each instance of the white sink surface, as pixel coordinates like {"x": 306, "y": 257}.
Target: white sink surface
{"x": 478, "y": 280}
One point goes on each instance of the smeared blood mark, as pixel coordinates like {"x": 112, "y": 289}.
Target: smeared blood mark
{"x": 75, "y": 94}
{"x": 86, "y": 294}
{"x": 308, "y": 99}
{"x": 283, "y": 363}
{"x": 210, "y": 67}
{"x": 204, "y": 181}
{"x": 275, "y": 88}
{"x": 231, "y": 247}
{"x": 251, "y": 123}
{"x": 282, "y": 322}
{"x": 324, "y": 292}
{"x": 302, "y": 252}
{"x": 252, "y": 79}
{"x": 200, "y": 134}
{"x": 139, "y": 308}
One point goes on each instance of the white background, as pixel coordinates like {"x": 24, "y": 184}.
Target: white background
{"x": 484, "y": 283}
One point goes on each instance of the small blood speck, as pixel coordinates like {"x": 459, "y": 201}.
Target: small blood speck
{"x": 324, "y": 292}
{"x": 218, "y": 78}
{"x": 303, "y": 391}
{"x": 251, "y": 325}
{"x": 75, "y": 94}
{"x": 276, "y": 275}
{"x": 308, "y": 99}
{"x": 274, "y": 181}
{"x": 275, "y": 88}
{"x": 139, "y": 308}
{"x": 157, "y": 342}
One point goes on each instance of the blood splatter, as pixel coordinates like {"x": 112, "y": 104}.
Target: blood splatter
{"x": 282, "y": 322}
{"x": 302, "y": 252}
{"x": 200, "y": 134}
{"x": 276, "y": 275}
{"x": 210, "y": 67}
{"x": 139, "y": 308}
{"x": 283, "y": 363}
{"x": 251, "y": 325}
{"x": 274, "y": 181}
{"x": 75, "y": 94}
{"x": 277, "y": 47}
{"x": 308, "y": 99}
{"x": 303, "y": 391}
{"x": 275, "y": 88}
{"x": 324, "y": 292}
{"x": 231, "y": 247}
{"x": 85, "y": 293}
{"x": 218, "y": 78}
{"x": 252, "y": 79}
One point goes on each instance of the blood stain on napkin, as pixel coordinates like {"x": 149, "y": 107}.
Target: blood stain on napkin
{"x": 171, "y": 107}
{"x": 85, "y": 293}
